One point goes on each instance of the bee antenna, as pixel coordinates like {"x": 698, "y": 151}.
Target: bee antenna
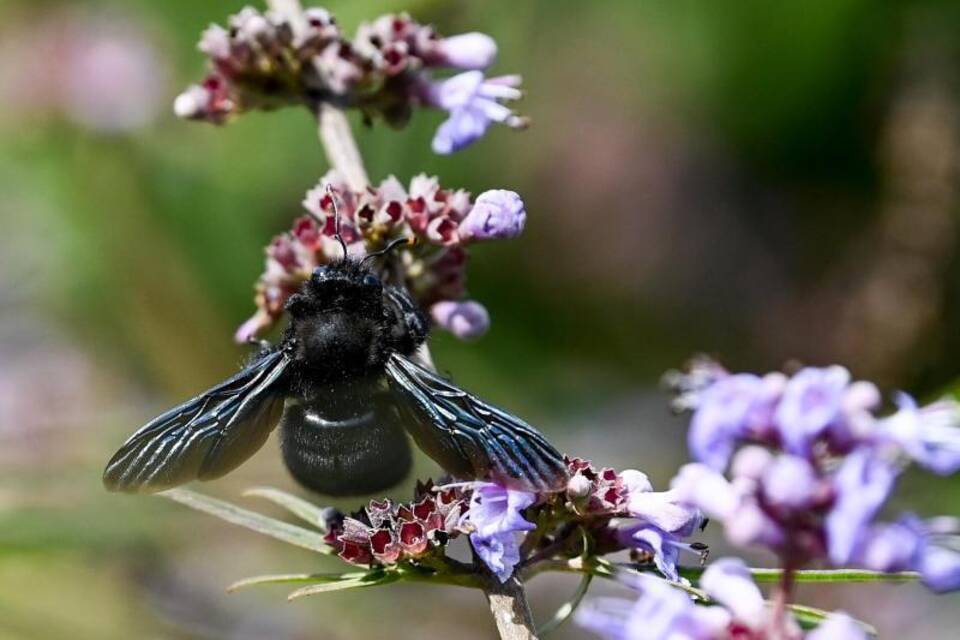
{"x": 393, "y": 244}
{"x": 336, "y": 220}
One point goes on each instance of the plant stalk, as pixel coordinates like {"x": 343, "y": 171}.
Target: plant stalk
{"x": 508, "y": 604}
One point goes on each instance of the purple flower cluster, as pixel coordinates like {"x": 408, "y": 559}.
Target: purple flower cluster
{"x": 262, "y": 61}
{"x": 663, "y": 612}
{"x": 616, "y": 510}
{"x": 622, "y": 511}
{"x": 385, "y": 533}
{"x": 439, "y": 223}
{"x": 809, "y": 464}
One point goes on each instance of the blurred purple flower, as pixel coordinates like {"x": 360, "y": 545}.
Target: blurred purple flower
{"x": 663, "y": 612}
{"x": 474, "y": 103}
{"x": 723, "y": 416}
{"x": 910, "y": 544}
{"x": 735, "y": 504}
{"x": 929, "y": 435}
{"x": 790, "y": 483}
{"x": 465, "y": 319}
{"x": 664, "y": 546}
{"x": 839, "y": 626}
{"x": 660, "y": 613}
{"x": 811, "y": 402}
{"x": 861, "y": 485}
{"x": 496, "y": 214}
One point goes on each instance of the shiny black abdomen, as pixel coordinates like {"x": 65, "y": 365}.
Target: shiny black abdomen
{"x": 345, "y": 439}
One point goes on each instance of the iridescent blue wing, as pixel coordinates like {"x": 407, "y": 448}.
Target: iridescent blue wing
{"x": 470, "y": 438}
{"x": 206, "y": 437}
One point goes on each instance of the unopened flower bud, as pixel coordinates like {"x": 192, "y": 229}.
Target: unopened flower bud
{"x": 496, "y": 214}
{"x": 466, "y": 51}
{"x": 579, "y": 487}
{"x": 466, "y": 320}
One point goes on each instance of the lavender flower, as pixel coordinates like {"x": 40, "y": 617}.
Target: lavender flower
{"x": 861, "y": 485}
{"x": 495, "y": 509}
{"x": 911, "y": 544}
{"x": 496, "y": 214}
{"x": 663, "y": 612}
{"x": 929, "y": 435}
{"x": 495, "y": 515}
{"x": 467, "y": 319}
{"x": 500, "y": 552}
{"x": 812, "y": 465}
{"x": 811, "y": 403}
{"x": 474, "y": 103}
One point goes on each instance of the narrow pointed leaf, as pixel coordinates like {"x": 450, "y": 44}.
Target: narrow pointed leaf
{"x": 371, "y": 579}
{"x": 286, "y": 532}
{"x": 291, "y": 578}
{"x": 309, "y": 513}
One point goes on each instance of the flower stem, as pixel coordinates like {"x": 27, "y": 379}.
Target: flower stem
{"x": 508, "y": 603}
{"x": 340, "y": 147}
{"x": 333, "y": 126}
{"x": 782, "y": 595}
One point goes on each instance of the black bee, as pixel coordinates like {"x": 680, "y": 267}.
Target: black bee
{"x": 344, "y": 389}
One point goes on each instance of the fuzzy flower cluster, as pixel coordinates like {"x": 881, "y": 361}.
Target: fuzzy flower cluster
{"x": 385, "y": 533}
{"x": 739, "y": 612}
{"x": 263, "y": 61}
{"x": 803, "y": 464}
{"x": 507, "y": 527}
{"x": 438, "y": 224}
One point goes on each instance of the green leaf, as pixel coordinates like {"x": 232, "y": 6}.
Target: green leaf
{"x": 817, "y": 575}
{"x": 811, "y": 617}
{"x": 566, "y": 610}
{"x": 289, "y": 578}
{"x": 286, "y": 532}
{"x": 355, "y": 581}
{"x": 309, "y": 513}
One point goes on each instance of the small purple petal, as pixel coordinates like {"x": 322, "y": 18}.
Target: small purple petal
{"x": 862, "y": 484}
{"x": 839, "y": 626}
{"x": 929, "y": 435}
{"x": 728, "y": 581}
{"x": 790, "y": 482}
{"x": 496, "y": 214}
{"x": 940, "y": 569}
{"x": 662, "y": 510}
{"x": 467, "y": 51}
{"x": 500, "y": 552}
{"x": 811, "y": 403}
{"x": 495, "y": 510}
{"x": 466, "y": 320}
{"x": 721, "y": 417}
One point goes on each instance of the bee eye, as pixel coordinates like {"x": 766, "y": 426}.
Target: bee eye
{"x": 371, "y": 280}
{"x": 319, "y": 273}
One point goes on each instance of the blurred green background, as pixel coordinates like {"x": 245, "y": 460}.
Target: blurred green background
{"x": 760, "y": 181}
